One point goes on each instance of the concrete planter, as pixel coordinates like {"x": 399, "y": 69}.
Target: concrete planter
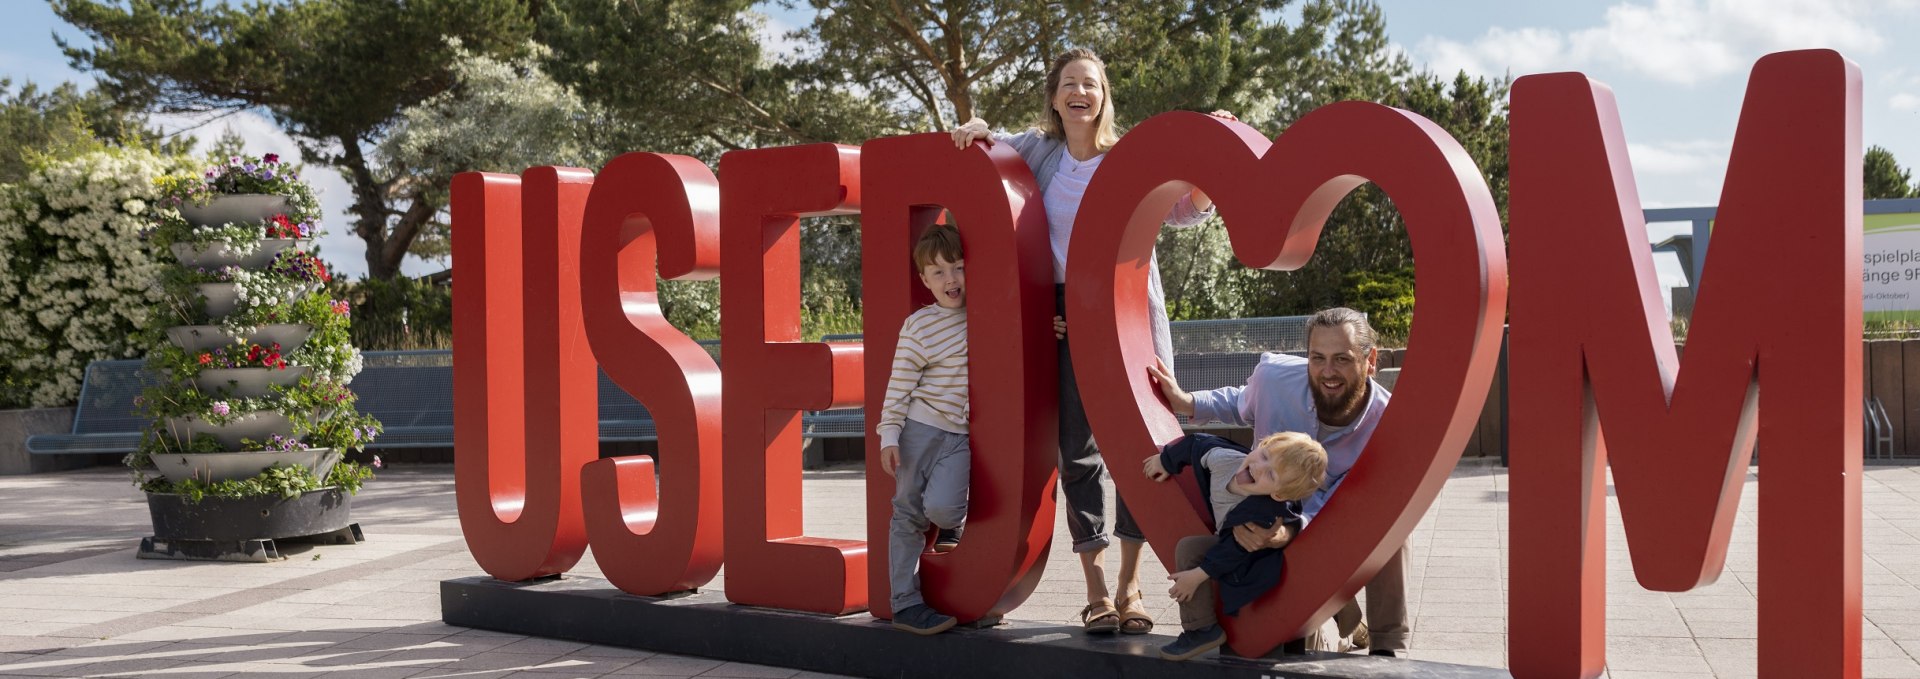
{"x": 216, "y": 255}
{"x": 197, "y": 338}
{"x": 245, "y": 208}
{"x": 257, "y": 426}
{"x": 250, "y": 518}
{"x": 222, "y": 298}
{"x": 234, "y": 466}
{"x": 248, "y": 382}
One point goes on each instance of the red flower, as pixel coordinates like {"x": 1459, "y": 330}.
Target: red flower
{"x": 282, "y": 364}
{"x": 275, "y": 358}
{"x": 253, "y": 354}
{"x": 271, "y": 158}
{"x": 282, "y": 227}
{"x": 206, "y": 358}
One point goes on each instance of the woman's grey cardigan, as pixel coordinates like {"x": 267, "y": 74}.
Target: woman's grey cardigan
{"x": 1042, "y": 154}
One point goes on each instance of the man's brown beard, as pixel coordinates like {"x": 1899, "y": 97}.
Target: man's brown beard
{"x": 1345, "y": 407}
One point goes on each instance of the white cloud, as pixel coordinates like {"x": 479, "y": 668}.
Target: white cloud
{"x": 1682, "y": 173}
{"x": 775, "y": 43}
{"x": 1523, "y": 50}
{"x": 1676, "y": 41}
{"x": 1682, "y": 158}
{"x": 344, "y": 252}
{"x": 1905, "y": 102}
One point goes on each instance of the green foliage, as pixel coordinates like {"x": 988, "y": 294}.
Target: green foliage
{"x": 400, "y": 313}
{"x": 335, "y": 73}
{"x": 1387, "y": 299}
{"x": 693, "y": 79}
{"x": 75, "y": 277}
{"x": 41, "y": 126}
{"x": 1200, "y": 275}
{"x": 937, "y": 63}
{"x": 286, "y": 482}
{"x": 692, "y": 306}
{"x": 310, "y": 404}
{"x": 1364, "y": 237}
{"x": 240, "y": 174}
{"x": 577, "y": 81}
{"x": 502, "y": 114}
{"x": 1884, "y": 178}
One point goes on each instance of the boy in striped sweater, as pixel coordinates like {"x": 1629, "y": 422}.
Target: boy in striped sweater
{"x": 923, "y": 426}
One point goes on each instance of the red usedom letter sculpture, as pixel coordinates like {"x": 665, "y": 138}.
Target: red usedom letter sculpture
{"x": 1275, "y": 198}
{"x": 771, "y": 376}
{"x": 645, "y": 206}
{"x": 1011, "y": 358}
{"x": 524, "y": 403}
{"x": 1593, "y": 356}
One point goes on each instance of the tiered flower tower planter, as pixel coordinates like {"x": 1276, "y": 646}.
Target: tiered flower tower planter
{"x": 252, "y": 414}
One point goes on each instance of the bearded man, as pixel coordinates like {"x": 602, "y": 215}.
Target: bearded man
{"x": 1329, "y": 395}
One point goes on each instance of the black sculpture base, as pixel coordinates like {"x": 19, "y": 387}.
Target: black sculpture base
{"x": 244, "y": 529}
{"x": 590, "y": 610}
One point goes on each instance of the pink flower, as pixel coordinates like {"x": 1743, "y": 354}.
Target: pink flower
{"x": 341, "y": 307}
{"x": 376, "y": 462}
{"x": 221, "y": 408}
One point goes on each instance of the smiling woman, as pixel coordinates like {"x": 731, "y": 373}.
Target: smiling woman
{"x": 1064, "y": 149}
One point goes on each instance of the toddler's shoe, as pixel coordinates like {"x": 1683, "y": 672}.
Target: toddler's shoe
{"x": 921, "y": 619}
{"x": 1193, "y": 643}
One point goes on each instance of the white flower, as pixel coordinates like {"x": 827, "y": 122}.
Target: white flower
{"x": 83, "y": 302}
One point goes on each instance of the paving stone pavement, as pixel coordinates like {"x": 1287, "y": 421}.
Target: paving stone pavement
{"x": 75, "y": 602}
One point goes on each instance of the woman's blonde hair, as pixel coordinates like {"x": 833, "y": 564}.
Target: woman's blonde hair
{"x": 1105, "y": 131}
{"x": 1296, "y": 451}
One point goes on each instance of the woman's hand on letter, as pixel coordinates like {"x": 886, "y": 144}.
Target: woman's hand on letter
{"x": 971, "y": 131}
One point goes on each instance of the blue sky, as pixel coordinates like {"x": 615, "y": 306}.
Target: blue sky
{"x": 1678, "y": 69}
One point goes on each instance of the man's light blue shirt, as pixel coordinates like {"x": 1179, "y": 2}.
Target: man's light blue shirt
{"x": 1278, "y": 397}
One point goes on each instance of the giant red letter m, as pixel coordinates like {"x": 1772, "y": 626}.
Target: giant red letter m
{"x": 1778, "y": 305}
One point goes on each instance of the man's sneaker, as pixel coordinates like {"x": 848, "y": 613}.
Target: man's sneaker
{"x": 1193, "y": 643}
{"x": 922, "y": 619}
{"x": 948, "y": 539}
{"x": 1388, "y": 652}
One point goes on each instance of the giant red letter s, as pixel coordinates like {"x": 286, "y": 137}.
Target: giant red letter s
{"x": 1780, "y": 301}
{"x": 644, "y": 205}
{"x": 524, "y": 402}
{"x": 771, "y": 376}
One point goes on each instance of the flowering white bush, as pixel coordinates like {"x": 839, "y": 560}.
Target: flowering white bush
{"x": 76, "y": 281}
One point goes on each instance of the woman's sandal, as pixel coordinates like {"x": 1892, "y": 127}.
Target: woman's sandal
{"x": 1100, "y": 617}
{"x": 1134, "y": 620}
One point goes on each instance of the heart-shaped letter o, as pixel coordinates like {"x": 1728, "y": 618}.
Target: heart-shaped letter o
{"x": 1275, "y": 202}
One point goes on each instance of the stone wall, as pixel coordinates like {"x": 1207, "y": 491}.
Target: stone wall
{"x": 17, "y": 425}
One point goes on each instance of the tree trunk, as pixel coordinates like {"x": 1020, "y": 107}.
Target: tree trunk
{"x": 369, "y": 210}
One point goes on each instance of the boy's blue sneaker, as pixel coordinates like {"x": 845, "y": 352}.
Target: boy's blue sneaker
{"x": 1193, "y": 643}
{"x": 923, "y": 620}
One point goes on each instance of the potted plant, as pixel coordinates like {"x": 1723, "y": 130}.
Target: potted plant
{"x": 252, "y": 413}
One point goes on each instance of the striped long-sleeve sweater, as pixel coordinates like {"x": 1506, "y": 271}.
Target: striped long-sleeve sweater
{"x": 929, "y": 383}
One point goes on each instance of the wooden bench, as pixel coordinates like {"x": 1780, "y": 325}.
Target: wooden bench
{"x": 411, "y": 392}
